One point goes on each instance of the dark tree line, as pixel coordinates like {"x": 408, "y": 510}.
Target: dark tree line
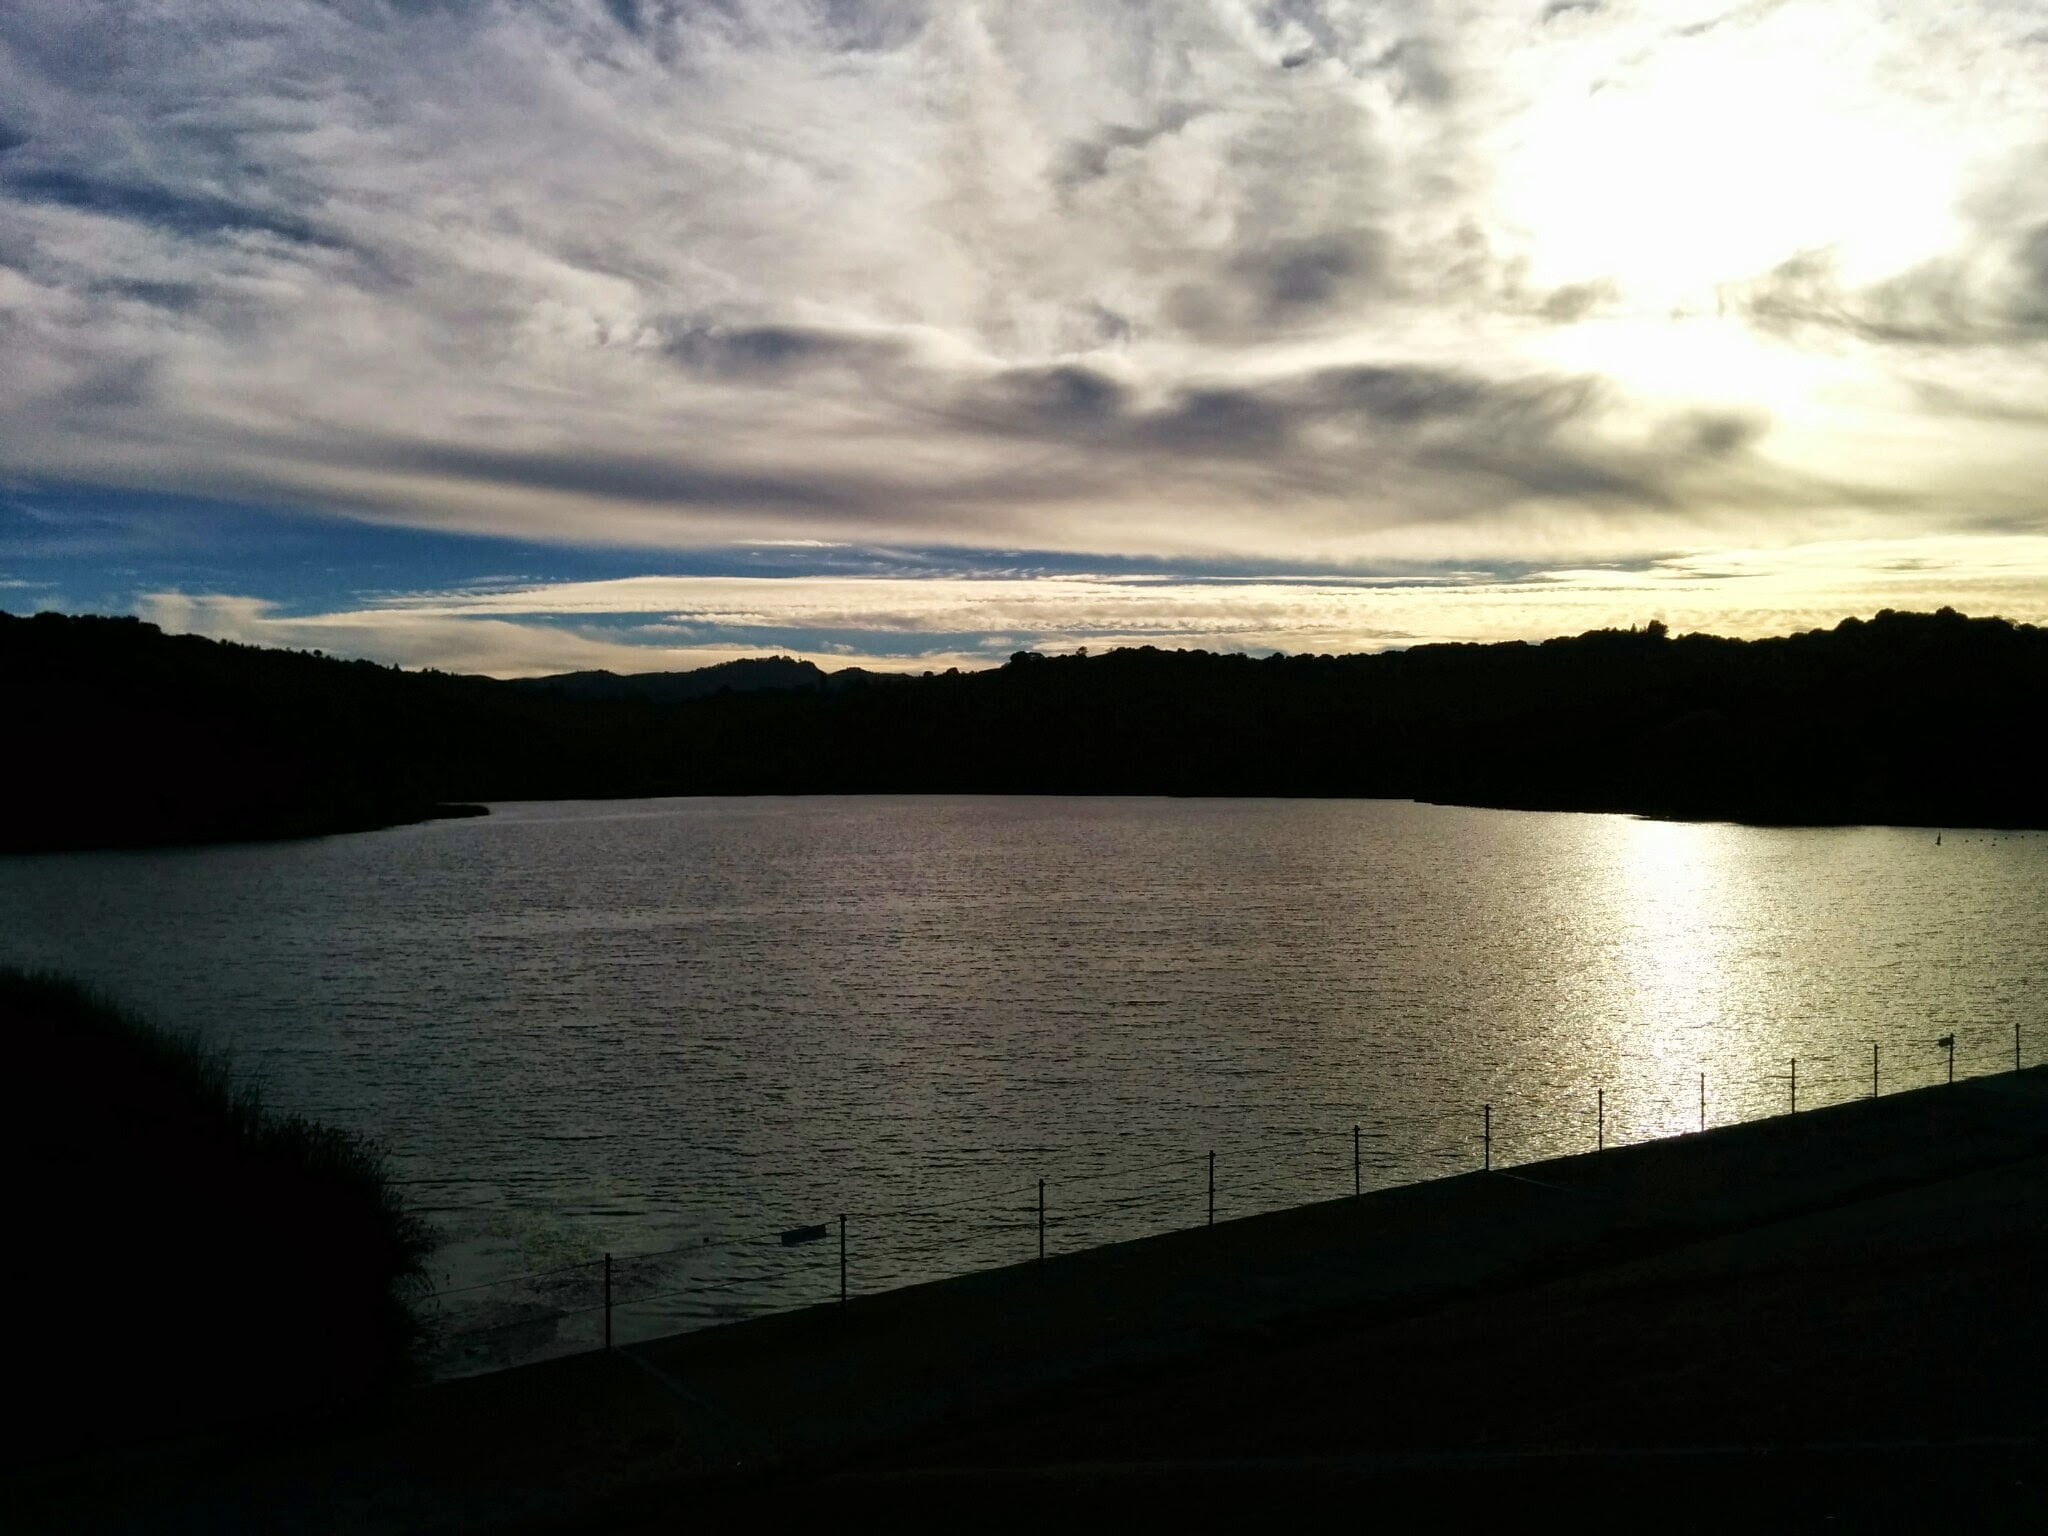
{"x": 123, "y": 735}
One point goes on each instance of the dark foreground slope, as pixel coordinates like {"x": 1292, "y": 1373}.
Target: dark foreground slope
{"x": 130, "y": 736}
{"x": 181, "y": 1257}
{"x": 1828, "y": 1320}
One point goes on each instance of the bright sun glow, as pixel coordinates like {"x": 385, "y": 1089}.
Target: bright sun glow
{"x": 1703, "y": 359}
{"x": 1716, "y": 161}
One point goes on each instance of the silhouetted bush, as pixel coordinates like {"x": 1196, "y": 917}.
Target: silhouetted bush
{"x": 185, "y": 1258}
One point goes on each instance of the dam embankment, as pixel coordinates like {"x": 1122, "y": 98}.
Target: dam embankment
{"x": 1836, "y": 1301}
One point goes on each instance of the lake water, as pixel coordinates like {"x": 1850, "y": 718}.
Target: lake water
{"x": 681, "y": 1028}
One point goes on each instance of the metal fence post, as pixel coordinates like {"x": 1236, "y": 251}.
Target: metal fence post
{"x": 1041, "y": 1221}
{"x": 1703, "y": 1101}
{"x": 1873, "y": 1069}
{"x": 1949, "y": 1040}
{"x": 2015, "y": 1045}
{"x": 1212, "y": 1189}
{"x": 1486, "y": 1135}
{"x": 1358, "y": 1163}
{"x": 1795, "y": 1085}
{"x": 607, "y": 1301}
{"x": 1600, "y": 1120}
{"x": 842, "y": 1258}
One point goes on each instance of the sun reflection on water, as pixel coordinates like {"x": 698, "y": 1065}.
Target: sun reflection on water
{"x": 1671, "y": 896}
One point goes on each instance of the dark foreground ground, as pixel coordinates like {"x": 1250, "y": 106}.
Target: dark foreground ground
{"x": 1830, "y": 1321}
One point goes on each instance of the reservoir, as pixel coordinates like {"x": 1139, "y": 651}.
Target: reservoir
{"x": 695, "y": 1028}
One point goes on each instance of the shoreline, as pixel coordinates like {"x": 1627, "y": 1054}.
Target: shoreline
{"x": 462, "y": 810}
{"x": 172, "y": 840}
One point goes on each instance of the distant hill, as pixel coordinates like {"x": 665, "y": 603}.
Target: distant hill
{"x": 122, "y": 735}
{"x": 671, "y": 687}
{"x": 749, "y": 675}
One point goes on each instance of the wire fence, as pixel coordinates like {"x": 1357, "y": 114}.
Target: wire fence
{"x": 622, "y": 1298}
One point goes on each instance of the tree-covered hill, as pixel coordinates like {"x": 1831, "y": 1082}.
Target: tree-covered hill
{"x": 124, "y": 735}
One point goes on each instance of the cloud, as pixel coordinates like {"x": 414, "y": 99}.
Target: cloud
{"x": 496, "y": 647}
{"x": 1990, "y": 289}
{"x": 1458, "y": 443}
{"x": 1285, "y": 286}
{"x": 472, "y": 645}
{"x": 1088, "y": 159}
{"x": 770, "y": 352}
{"x": 1946, "y": 400}
{"x": 191, "y": 214}
{"x": 667, "y": 481}
{"x": 669, "y": 622}
{"x": 1304, "y": 281}
{"x": 1995, "y": 296}
{"x": 1572, "y": 302}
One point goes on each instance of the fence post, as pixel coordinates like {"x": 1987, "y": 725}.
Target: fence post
{"x": 842, "y": 1258}
{"x": 1703, "y": 1101}
{"x": 1358, "y": 1162}
{"x": 1600, "y": 1121}
{"x": 1795, "y": 1085}
{"x": 1950, "y": 1042}
{"x": 2015, "y": 1045}
{"x": 1486, "y": 1133}
{"x": 1041, "y": 1221}
{"x": 1873, "y": 1069}
{"x": 607, "y": 1301}
{"x": 1212, "y": 1189}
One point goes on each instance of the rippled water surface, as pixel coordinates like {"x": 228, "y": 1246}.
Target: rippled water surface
{"x": 684, "y": 1027}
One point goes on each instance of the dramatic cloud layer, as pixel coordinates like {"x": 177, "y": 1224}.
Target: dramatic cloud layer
{"x": 645, "y": 623}
{"x": 962, "y": 318}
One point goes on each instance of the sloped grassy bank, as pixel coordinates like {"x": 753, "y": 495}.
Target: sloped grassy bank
{"x": 185, "y": 1259}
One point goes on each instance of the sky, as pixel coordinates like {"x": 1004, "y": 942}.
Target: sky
{"x": 528, "y": 337}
